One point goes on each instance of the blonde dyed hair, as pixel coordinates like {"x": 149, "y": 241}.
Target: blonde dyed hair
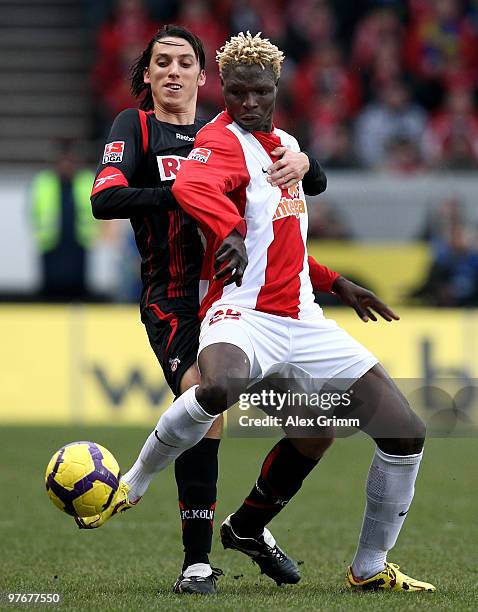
{"x": 249, "y": 50}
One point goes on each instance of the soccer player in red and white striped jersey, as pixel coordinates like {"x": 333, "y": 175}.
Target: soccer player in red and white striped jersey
{"x": 258, "y": 313}
{"x": 136, "y": 171}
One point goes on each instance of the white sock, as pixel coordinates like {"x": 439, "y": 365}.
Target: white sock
{"x": 182, "y": 426}
{"x": 198, "y": 569}
{"x": 390, "y": 488}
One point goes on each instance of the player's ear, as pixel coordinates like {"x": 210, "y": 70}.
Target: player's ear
{"x": 202, "y": 78}
{"x": 146, "y": 77}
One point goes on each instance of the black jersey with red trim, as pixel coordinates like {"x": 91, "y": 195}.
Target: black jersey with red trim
{"x": 133, "y": 181}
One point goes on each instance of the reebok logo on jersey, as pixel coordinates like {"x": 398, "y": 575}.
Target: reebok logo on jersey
{"x": 168, "y": 166}
{"x": 184, "y": 137}
{"x": 200, "y": 154}
{"x": 101, "y": 181}
{"x": 109, "y": 177}
{"x": 113, "y": 152}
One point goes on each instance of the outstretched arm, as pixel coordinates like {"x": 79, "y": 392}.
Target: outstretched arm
{"x": 363, "y": 301}
{"x": 321, "y": 277}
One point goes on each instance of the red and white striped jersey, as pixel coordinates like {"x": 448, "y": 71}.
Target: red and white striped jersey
{"x": 223, "y": 186}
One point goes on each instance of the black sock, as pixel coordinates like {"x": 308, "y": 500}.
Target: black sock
{"x": 281, "y": 477}
{"x": 196, "y": 474}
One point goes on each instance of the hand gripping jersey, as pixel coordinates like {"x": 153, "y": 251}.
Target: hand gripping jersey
{"x": 138, "y": 165}
{"x": 223, "y": 186}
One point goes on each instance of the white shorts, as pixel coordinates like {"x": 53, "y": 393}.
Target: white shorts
{"x": 313, "y": 350}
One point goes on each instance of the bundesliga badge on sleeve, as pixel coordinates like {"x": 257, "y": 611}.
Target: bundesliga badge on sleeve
{"x": 113, "y": 153}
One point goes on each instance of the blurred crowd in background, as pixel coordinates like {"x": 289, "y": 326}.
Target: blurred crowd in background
{"x": 377, "y": 85}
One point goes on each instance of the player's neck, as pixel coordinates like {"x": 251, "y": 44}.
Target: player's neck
{"x": 178, "y": 117}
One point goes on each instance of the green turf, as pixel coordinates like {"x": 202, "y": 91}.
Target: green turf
{"x": 132, "y": 562}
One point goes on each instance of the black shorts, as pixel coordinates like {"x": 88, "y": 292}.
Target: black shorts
{"x": 173, "y": 332}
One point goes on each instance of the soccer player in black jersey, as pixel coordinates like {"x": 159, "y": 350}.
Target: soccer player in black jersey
{"x": 133, "y": 181}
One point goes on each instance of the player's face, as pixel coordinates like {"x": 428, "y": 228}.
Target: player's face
{"x": 250, "y": 94}
{"x": 174, "y": 74}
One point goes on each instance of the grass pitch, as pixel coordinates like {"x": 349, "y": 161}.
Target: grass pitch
{"x": 132, "y": 562}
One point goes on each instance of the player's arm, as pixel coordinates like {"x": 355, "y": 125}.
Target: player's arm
{"x": 126, "y": 202}
{"x": 315, "y": 181}
{"x": 363, "y": 301}
{"x": 321, "y": 277}
{"x": 295, "y": 166}
{"x": 231, "y": 259}
{"x": 214, "y": 168}
{"x": 360, "y": 299}
{"x": 112, "y": 197}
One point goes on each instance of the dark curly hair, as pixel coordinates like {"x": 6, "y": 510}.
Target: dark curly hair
{"x": 142, "y": 90}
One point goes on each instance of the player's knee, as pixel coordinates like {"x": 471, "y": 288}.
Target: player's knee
{"x": 410, "y": 432}
{"x": 418, "y": 434}
{"x": 313, "y": 448}
{"x": 213, "y": 396}
{"x": 416, "y": 431}
{"x": 420, "y": 428}
{"x": 410, "y": 441}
